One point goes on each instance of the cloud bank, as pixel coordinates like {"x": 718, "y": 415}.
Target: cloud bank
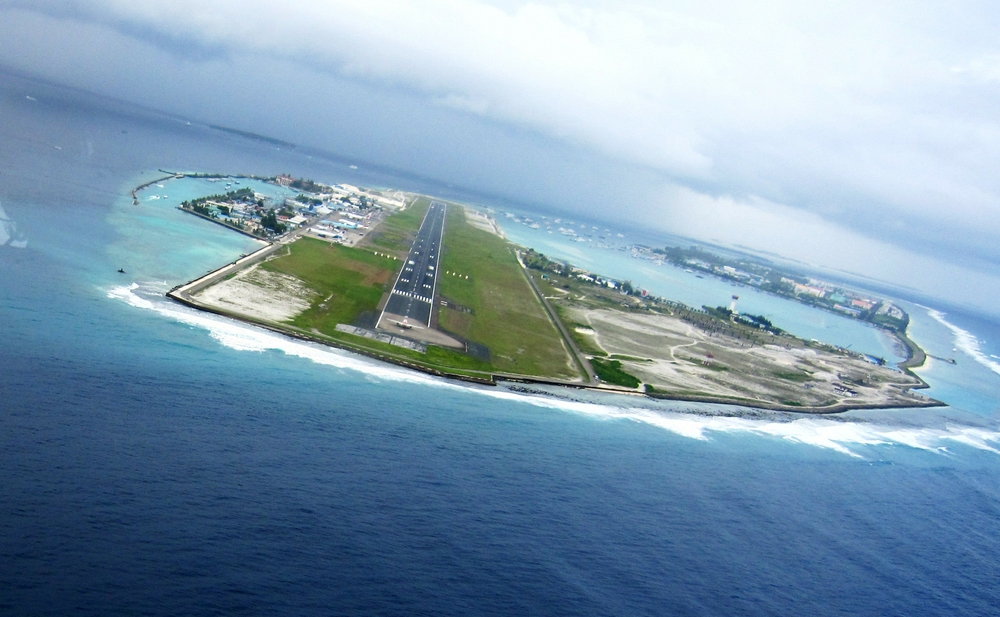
{"x": 877, "y": 120}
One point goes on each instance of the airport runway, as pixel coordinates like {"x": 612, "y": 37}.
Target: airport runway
{"x": 412, "y": 296}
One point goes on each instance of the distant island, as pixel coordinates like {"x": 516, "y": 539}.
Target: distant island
{"x": 434, "y": 286}
{"x": 792, "y": 285}
{"x": 254, "y": 136}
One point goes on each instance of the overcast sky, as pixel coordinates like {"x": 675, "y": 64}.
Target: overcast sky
{"x": 858, "y": 135}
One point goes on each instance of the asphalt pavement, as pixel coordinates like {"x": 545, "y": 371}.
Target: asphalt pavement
{"x": 412, "y": 296}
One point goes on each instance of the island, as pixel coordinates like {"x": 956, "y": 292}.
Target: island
{"x": 434, "y": 286}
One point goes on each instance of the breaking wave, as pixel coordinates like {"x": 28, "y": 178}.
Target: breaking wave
{"x": 966, "y": 341}
{"x": 836, "y": 435}
{"x": 242, "y": 337}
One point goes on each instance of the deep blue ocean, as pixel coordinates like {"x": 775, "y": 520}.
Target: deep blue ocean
{"x": 158, "y": 461}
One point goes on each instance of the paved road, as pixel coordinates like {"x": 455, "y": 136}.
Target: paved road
{"x": 413, "y": 294}
{"x": 581, "y": 361}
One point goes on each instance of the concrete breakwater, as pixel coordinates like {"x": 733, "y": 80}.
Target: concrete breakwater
{"x": 135, "y": 199}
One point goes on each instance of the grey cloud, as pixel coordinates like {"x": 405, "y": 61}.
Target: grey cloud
{"x": 878, "y": 118}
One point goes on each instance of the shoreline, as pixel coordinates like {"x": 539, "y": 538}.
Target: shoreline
{"x": 182, "y": 294}
{"x": 495, "y": 378}
{"x": 916, "y": 353}
{"x": 917, "y": 357}
{"x": 223, "y": 223}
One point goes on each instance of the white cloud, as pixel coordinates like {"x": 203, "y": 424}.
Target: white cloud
{"x": 880, "y": 118}
{"x": 666, "y": 87}
{"x": 984, "y": 68}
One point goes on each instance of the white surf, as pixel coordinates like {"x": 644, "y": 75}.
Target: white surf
{"x": 837, "y": 435}
{"x": 966, "y": 341}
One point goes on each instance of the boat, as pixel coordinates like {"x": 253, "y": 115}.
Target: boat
{"x": 121, "y": 270}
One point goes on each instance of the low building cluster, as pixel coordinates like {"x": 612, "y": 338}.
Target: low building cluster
{"x": 804, "y": 289}
{"x": 339, "y": 208}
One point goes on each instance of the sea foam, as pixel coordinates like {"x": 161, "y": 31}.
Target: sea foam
{"x": 242, "y": 337}
{"x": 965, "y": 341}
{"x": 837, "y": 435}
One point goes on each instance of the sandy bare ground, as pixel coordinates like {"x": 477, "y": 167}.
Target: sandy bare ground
{"x": 481, "y": 220}
{"x": 675, "y": 356}
{"x": 259, "y": 293}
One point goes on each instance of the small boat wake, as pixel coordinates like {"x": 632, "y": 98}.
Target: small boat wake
{"x": 9, "y": 234}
